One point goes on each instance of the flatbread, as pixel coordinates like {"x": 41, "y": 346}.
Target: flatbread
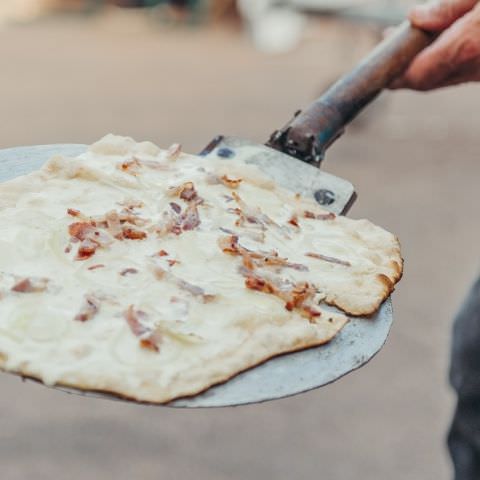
{"x": 152, "y": 274}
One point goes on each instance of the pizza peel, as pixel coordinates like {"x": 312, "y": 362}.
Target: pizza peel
{"x": 291, "y": 157}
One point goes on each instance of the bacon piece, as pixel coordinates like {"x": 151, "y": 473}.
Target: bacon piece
{"x": 95, "y": 267}
{"x": 175, "y": 191}
{"x": 150, "y": 338}
{"x": 328, "y": 259}
{"x": 133, "y": 318}
{"x": 170, "y": 224}
{"x": 176, "y": 207}
{"x": 31, "y": 285}
{"x": 326, "y": 216}
{"x": 97, "y": 221}
{"x": 190, "y": 219}
{"x": 81, "y": 230}
{"x": 231, "y": 182}
{"x": 176, "y": 229}
{"x": 297, "y": 266}
{"x": 230, "y": 245}
{"x": 255, "y": 218}
{"x": 87, "y": 232}
{"x": 190, "y": 288}
{"x": 188, "y": 192}
{"x": 151, "y": 342}
{"x": 86, "y": 249}
{"x": 113, "y": 219}
{"x": 130, "y": 166}
{"x": 320, "y": 216}
{"x": 272, "y": 259}
{"x": 251, "y": 214}
{"x": 283, "y": 262}
{"x": 73, "y": 213}
{"x": 310, "y": 313}
{"x": 162, "y": 253}
{"x": 255, "y": 283}
{"x": 132, "y": 234}
{"x": 175, "y": 221}
{"x": 176, "y": 224}
{"x": 128, "y": 271}
{"x": 294, "y": 221}
{"x": 194, "y": 290}
{"x": 174, "y": 151}
{"x": 126, "y": 216}
{"x": 297, "y": 296}
{"x": 248, "y": 262}
{"x": 101, "y": 231}
{"x": 89, "y": 309}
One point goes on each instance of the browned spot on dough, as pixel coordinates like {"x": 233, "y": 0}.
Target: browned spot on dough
{"x": 386, "y": 281}
{"x": 398, "y": 269}
{"x": 132, "y": 234}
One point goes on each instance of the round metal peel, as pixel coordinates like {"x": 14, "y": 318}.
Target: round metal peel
{"x": 281, "y": 376}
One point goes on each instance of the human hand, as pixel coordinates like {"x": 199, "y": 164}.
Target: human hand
{"x": 454, "y": 57}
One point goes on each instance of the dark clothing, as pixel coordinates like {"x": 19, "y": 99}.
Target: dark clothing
{"x": 464, "y": 436}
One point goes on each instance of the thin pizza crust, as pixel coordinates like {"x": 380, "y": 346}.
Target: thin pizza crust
{"x": 153, "y": 275}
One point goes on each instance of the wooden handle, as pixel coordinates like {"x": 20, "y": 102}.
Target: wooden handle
{"x": 313, "y": 130}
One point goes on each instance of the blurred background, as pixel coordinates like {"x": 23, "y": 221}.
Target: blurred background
{"x": 184, "y": 71}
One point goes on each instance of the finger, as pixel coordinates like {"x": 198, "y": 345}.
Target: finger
{"x": 459, "y": 79}
{"x": 468, "y": 73}
{"x": 472, "y": 75}
{"x": 428, "y": 69}
{"x": 439, "y": 15}
{"x": 455, "y": 49}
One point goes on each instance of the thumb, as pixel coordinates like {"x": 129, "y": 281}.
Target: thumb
{"x": 439, "y": 15}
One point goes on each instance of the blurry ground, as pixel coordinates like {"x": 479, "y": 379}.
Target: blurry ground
{"x": 416, "y": 168}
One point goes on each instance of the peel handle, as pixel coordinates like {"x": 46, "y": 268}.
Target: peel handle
{"x": 311, "y": 131}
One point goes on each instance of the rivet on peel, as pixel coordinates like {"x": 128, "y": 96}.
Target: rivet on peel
{"x": 324, "y": 196}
